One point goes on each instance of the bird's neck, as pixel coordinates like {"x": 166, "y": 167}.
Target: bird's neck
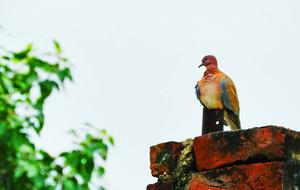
{"x": 211, "y": 70}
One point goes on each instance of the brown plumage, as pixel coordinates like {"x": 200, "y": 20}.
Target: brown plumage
{"x": 216, "y": 90}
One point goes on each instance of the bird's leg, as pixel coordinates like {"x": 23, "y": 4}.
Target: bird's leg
{"x": 218, "y": 115}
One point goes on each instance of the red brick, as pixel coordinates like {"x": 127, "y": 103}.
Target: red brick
{"x": 163, "y": 157}
{"x": 161, "y": 186}
{"x": 266, "y": 158}
{"x": 259, "y": 176}
{"x": 224, "y": 148}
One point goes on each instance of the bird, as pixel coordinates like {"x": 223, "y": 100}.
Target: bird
{"x": 215, "y": 90}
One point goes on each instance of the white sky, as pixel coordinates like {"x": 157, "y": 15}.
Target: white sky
{"x": 135, "y": 67}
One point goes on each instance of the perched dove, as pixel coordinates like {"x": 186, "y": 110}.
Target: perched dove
{"x": 216, "y": 91}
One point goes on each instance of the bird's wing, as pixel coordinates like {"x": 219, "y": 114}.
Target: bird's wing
{"x": 231, "y": 103}
{"x": 197, "y": 91}
{"x": 229, "y": 96}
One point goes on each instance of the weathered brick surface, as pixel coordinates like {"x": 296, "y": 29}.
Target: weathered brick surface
{"x": 258, "y": 176}
{"x": 224, "y": 148}
{"x": 266, "y": 158}
{"x": 161, "y": 186}
{"x": 163, "y": 157}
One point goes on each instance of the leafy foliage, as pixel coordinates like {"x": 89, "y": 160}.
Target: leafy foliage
{"x": 26, "y": 81}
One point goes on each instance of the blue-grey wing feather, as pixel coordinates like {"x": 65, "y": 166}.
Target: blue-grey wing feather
{"x": 224, "y": 96}
{"x": 226, "y": 99}
{"x": 197, "y": 91}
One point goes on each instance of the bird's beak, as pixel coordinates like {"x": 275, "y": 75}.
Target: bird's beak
{"x": 201, "y": 65}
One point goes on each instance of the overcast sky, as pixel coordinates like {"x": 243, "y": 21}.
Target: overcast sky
{"x": 135, "y": 68}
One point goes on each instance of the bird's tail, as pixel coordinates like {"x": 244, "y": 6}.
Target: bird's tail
{"x": 232, "y": 120}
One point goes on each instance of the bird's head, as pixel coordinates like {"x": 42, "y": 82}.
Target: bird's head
{"x": 209, "y": 61}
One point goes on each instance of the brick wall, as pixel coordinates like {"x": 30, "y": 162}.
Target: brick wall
{"x": 265, "y": 158}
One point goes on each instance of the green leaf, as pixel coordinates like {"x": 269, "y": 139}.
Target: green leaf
{"x": 65, "y": 73}
{"x": 30, "y": 168}
{"x": 103, "y": 151}
{"x": 85, "y": 170}
{"x": 18, "y": 139}
{"x": 111, "y": 140}
{"x": 101, "y": 171}
{"x": 57, "y": 46}
{"x": 58, "y": 169}
{"x": 69, "y": 184}
{"x": 46, "y": 88}
{"x": 19, "y": 172}
{"x": 26, "y": 148}
{"x": 40, "y": 118}
{"x": 73, "y": 158}
{"x": 2, "y": 128}
{"x": 23, "y": 54}
{"x": 6, "y": 57}
{"x": 35, "y": 62}
{"x": 31, "y": 77}
{"x": 7, "y": 84}
{"x": 24, "y": 82}
{"x": 38, "y": 182}
{"x": 47, "y": 158}
{"x": 103, "y": 132}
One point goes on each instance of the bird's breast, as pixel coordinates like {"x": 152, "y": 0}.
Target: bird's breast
{"x": 210, "y": 94}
